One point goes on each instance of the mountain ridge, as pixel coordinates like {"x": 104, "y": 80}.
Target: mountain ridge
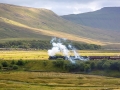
{"x": 106, "y": 18}
{"x": 43, "y": 23}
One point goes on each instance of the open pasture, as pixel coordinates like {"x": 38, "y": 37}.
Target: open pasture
{"x": 99, "y": 52}
{"x": 23, "y": 55}
{"x": 43, "y": 55}
{"x": 56, "y": 81}
{"x": 26, "y": 80}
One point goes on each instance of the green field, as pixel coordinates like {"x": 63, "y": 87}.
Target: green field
{"x": 56, "y": 81}
{"x": 24, "y": 55}
{"x": 43, "y": 55}
{"x": 39, "y": 74}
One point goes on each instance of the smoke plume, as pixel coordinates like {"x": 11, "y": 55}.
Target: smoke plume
{"x": 58, "y": 46}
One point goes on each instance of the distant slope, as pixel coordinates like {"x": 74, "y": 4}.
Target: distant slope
{"x": 17, "y": 31}
{"x": 12, "y": 32}
{"x": 25, "y": 22}
{"x": 106, "y": 18}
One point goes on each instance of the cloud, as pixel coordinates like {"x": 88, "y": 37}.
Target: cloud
{"x": 63, "y": 7}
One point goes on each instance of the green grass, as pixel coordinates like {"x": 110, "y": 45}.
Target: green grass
{"x": 12, "y": 32}
{"x": 24, "y": 55}
{"x": 29, "y": 32}
{"x": 40, "y": 74}
{"x": 43, "y": 55}
{"x": 56, "y": 81}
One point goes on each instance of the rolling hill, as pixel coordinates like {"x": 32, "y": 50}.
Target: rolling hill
{"x": 107, "y": 18}
{"x": 18, "y": 22}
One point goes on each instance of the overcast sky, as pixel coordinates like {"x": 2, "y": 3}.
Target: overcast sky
{"x": 64, "y": 7}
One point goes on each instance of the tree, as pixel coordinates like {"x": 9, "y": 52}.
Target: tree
{"x": 4, "y": 64}
{"x": 0, "y": 66}
{"x": 114, "y": 65}
{"x": 100, "y": 64}
{"x": 87, "y": 68}
{"x": 15, "y": 67}
{"x": 58, "y": 63}
{"x": 20, "y": 62}
{"x": 82, "y": 66}
{"x": 118, "y": 65}
{"x": 106, "y": 65}
{"x": 13, "y": 62}
{"x": 92, "y": 65}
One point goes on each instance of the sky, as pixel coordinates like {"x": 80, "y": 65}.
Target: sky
{"x": 65, "y": 7}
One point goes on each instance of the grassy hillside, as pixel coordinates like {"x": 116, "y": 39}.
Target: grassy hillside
{"x": 31, "y": 32}
{"x": 12, "y": 32}
{"x": 25, "y": 22}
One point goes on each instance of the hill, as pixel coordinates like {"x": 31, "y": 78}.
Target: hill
{"x": 107, "y": 18}
{"x": 18, "y": 22}
{"x": 13, "y": 32}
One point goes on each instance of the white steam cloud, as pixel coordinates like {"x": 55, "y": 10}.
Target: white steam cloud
{"x": 58, "y": 46}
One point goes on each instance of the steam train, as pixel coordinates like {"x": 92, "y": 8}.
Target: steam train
{"x": 57, "y": 57}
{"x": 104, "y": 57}
{"x": 86, "y": 57}
{"x": 66, "y": 58}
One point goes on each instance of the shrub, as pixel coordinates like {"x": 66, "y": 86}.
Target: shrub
{"x": 70, "y": 67}
{"x": 15, "y": 67}
{"x": 74, "y": 67}
{"x": 82, "y": 66}
{"x": 58, "y": 63}
{"x": 0, "y": 66}
{"x": 44, "y": 63}
{"x": 66, "y": 66}
{"x": 13, "y": 62}
{"x": 100, "y": 64}
{"x": 4, "y": 64}
{"x": 87, "y": 68}
{"x": 106, "y": 65}
{"x": 20, "y": 62}
{"x": 92, "y": 64}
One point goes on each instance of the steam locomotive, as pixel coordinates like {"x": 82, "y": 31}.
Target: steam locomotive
{"x": 86, "y": 57}
{"x": 67, "y": 58}
{"x": 57, "y": 57}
